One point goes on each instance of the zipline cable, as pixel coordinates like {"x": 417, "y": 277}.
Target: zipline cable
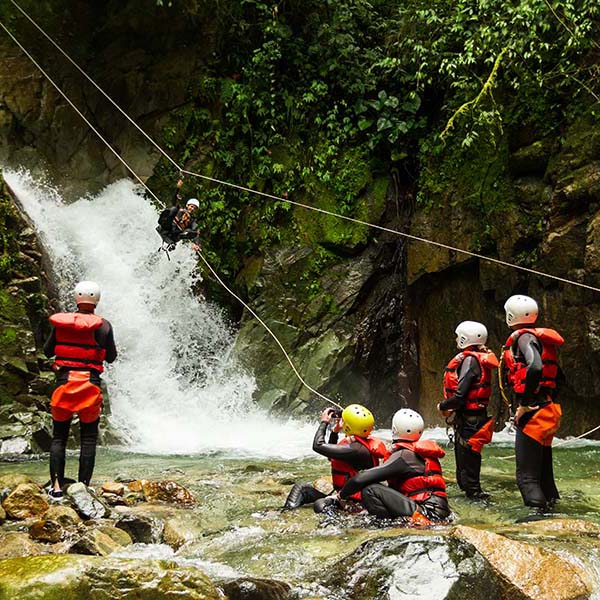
{"x": 405, "y": 235}
{"x": 317, "y": 393}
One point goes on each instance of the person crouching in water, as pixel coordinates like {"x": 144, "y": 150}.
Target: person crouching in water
{"x": 80, "y": 343}
{"x": 416, "y": 488}
{"x": 467, "y": 391}
{"x": 356, "y": 452}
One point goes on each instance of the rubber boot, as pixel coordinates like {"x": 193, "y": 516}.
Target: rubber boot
{"x": 418, "y": 519}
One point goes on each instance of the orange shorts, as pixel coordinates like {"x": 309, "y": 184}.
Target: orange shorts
{"x": 77, "y": 395}
{"x": 543, "y": 424}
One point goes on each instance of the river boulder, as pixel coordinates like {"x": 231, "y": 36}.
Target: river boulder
{"x": 86, "y": 502}
{"x": 25, "y": 501}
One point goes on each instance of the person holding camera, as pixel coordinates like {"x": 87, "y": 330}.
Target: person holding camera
{"x": 356, "y": 452}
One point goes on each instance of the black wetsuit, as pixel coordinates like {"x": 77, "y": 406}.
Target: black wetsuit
{"x": 88, "y": 431}
{"x": 387, "y": 503}
{"x": 534, "y": 469}
{"x": 168, "y": 227}
{"x": 354, "y": 453}
{"x": 466, "y": 424}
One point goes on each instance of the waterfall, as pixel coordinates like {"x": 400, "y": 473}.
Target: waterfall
{"x": 175, "y": 387}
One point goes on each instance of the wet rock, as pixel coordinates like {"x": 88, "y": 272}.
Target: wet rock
{"x": 119, "y": 536}
{"x": 528, "y": 571}
{"x": 133, "y": 498}
{"x": 47, "y": 530}
{"x": 86, "y": 503}
{"x": 251, "y": 588}
{"x": 142, "y": 528}
{"x": 25, "y": 501}
{"x": 96, "y": 543}
{"x": 2, "y": 515}
{"x": 177, "y": 533}
{"x": 113, "y": 499}
{"x": 167, "y": 491}
{"x": 17, "y": 543}
{"x": 113, "y": 487}
{"x": 416, "y": 566}
{"x": 63, "y": 515}
{"x": 135, "y": 486}
{"x": 10, "y": 481}
{"x": 16, "y": 445}
{"x": 84, "y": 577}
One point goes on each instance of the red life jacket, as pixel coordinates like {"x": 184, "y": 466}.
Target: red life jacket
{"x": 341, "y": 471}
{"x": 516, "y": 366}
{"x": 479, "y": 394}
{"x": 76, "y": 346}
{"x": 431, "y": 482}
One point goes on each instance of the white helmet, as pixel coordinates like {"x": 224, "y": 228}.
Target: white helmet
{"x": 194, "y": 202}
{"x": 407, "y": 425}
{"x": 87, "y": 292}
{"x": 520, "y": 310}
{"x": 469, "y": 333}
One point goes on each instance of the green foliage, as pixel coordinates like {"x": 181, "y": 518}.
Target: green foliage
{"x": 314, "y": 100}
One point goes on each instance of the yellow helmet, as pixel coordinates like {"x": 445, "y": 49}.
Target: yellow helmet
{"x": 358, "y": 420}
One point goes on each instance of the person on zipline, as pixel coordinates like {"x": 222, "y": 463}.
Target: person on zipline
{"x": 176, "y": 223}
{"x": 467, "y": 391}
{"x": 80, "y": 342}
{"x": 530, "y": 362}
{"x": 357, "y": 451}
{"x": 416, "y": 489}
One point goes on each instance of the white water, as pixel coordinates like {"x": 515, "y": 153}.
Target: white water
{"x": 175, "y": 387}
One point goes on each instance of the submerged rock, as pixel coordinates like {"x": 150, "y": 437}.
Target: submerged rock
{"x": 141, "y": 528}
{"x": 251, "y": 588}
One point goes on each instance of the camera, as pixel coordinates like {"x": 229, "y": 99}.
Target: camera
{"x": 336, "y": 413}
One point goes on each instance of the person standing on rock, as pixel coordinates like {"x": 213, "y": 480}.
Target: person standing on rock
{"x": 467, "y": 391}
{"x": 416, "y": 488}
{"x": 80, "y": 342}
{"x": 530, "y": 361}
{"x": 357, "y": 451}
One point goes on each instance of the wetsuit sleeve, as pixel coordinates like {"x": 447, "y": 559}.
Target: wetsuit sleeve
{"x": 531, "y": 351}
{"x": 50, "y": 344}
{"x": 105, "y": 338}
{"x": 468, "y": 375}
{"x": 341, "y": 451}
{"x": 395, "y": 467}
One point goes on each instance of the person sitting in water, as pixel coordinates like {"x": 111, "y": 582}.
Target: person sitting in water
{"x": 416, "y": 488}
{"x": 357, "y": 451}
{"x": 176, "y": 223}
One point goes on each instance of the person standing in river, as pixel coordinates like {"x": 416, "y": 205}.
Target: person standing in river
{"x": 467, "y": 391}
{"x": 530, "y": 361}
{"x": 357, "y": 451}
{"x": 80, "y": 342}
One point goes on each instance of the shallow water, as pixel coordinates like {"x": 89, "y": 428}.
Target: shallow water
{"x": 238, "y": 528}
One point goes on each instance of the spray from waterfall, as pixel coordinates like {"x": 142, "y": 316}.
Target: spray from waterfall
{"x": 176, "y": 387}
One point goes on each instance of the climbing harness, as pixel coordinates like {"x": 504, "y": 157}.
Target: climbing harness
{"x": 450, "y": 430}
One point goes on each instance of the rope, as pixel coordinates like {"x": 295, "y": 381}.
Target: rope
{"x": 559, "y": 443}
{"x": 300, "y": 204}
{"x": 162, "y": 204}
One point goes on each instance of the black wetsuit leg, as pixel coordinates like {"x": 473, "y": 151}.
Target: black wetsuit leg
{"x": 530, "y": 468}
{"x": 87, "y": 453}
{"x": 58, "y": 447}
{"x": 386, "y": 503}
{"x": 300, "y": 494}
{"x": 548, "y": 484}
{"x": 435, "y": 508}
{"x": 468, "y": 469}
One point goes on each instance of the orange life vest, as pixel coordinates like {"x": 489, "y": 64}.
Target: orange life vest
{"x": 516, "y": 366}
{"x": 341, "y": 471}
{"x": 479, "y": 394}
{"x": 431, "y": 482}
{"x": 76, "y": 346}
{"x": 183, "y": 219}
